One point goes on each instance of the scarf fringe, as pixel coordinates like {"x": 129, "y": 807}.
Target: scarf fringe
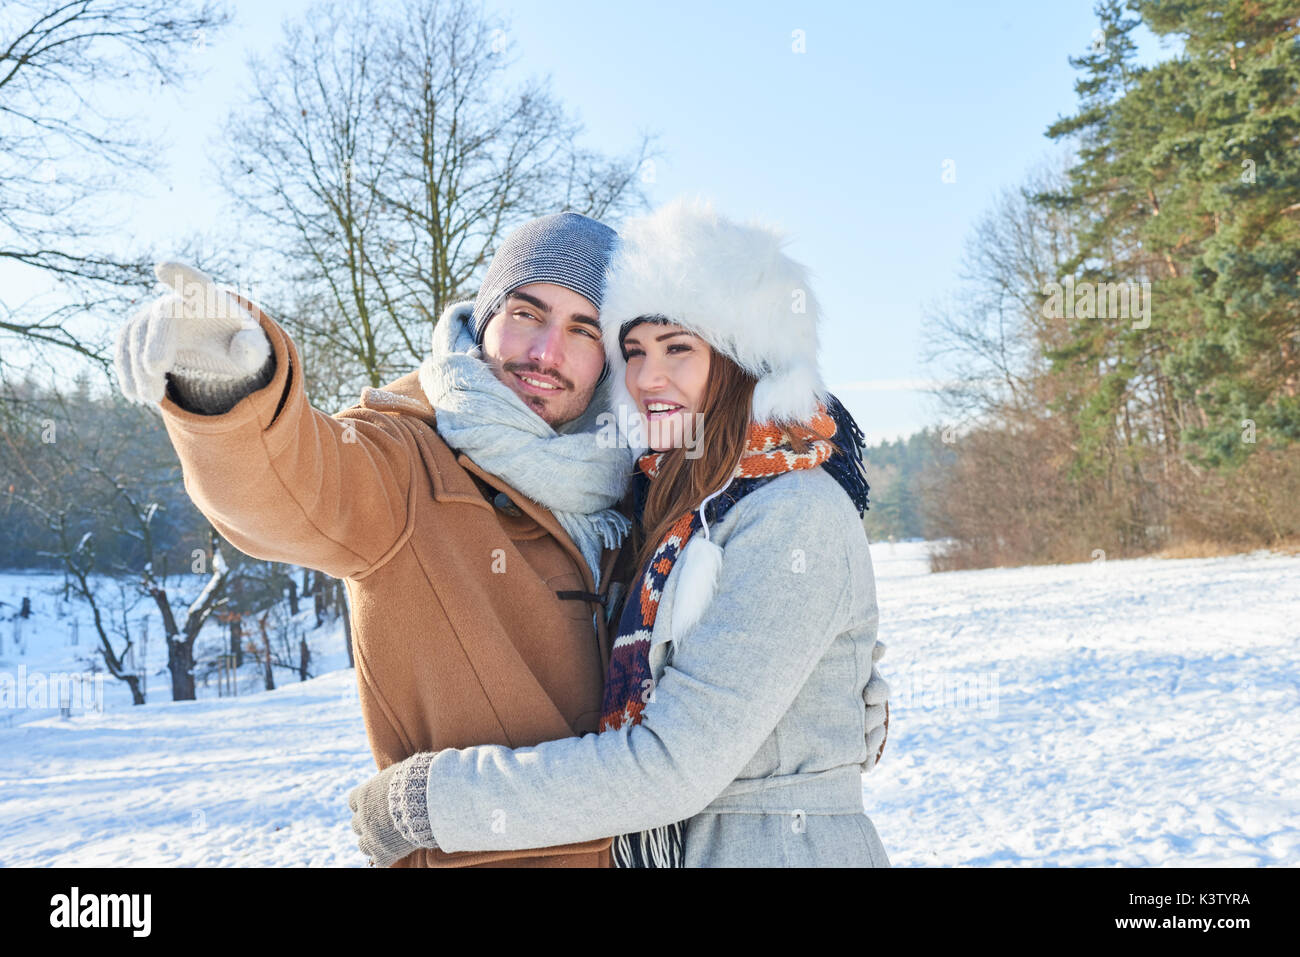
{"x": 611, "y": 526}
{"x": 846, "y": 465}
{"x": 657, "y": 847}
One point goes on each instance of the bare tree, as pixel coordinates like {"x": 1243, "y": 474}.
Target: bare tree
{"x": 78, "y": 561}
{"x": 989, "y": 336}
{"x": 179, "y": 635}
{"x": 49, "y": 484}
{"x": 382, "y": 159}
{"x": 63, "y": 154}
{"x": 90, "y": 479}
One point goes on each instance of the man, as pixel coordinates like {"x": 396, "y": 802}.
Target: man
{"x": 468, "y": 505}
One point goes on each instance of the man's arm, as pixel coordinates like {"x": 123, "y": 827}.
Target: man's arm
{"x": 286, "y": 482}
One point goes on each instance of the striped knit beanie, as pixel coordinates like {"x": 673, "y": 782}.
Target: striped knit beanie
{"x": 568, "y": 249}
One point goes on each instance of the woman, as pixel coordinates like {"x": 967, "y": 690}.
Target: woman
{"x": 739, "y": 709}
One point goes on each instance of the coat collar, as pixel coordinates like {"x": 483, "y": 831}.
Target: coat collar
{"x": 403, "y": 395}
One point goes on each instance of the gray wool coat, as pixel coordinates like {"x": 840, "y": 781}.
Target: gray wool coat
{"x": 757, "y": 732}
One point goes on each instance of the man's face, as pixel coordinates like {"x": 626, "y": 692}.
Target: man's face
{"x": 545, "y": 344}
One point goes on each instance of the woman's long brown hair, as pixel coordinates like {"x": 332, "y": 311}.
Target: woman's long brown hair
{"x": 683, "y": 483}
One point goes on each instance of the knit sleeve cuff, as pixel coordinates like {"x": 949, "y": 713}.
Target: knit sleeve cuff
{"x": 408, "y": 800}
{"x": 216, "y": 396}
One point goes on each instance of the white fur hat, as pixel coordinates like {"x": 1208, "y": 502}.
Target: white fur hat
{"x": 730, "y": 284}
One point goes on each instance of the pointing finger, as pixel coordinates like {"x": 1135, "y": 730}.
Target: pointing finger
{"x": 180, "y": 277}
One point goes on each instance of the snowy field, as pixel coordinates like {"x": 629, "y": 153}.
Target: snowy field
{"x": 1130, "y": 713}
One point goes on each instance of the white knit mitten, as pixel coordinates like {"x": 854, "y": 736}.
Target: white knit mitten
{"x": 213, "y": 347}
{"x": 876, "y": 697}
{"x": 390, "y": 812}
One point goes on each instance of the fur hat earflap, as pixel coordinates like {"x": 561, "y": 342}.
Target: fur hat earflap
{"x": 730, "y": 284}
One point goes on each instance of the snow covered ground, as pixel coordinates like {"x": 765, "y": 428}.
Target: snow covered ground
{"x": 1134, "y": 713}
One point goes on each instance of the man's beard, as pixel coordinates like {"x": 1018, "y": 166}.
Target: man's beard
{"x": 548, "y": 409}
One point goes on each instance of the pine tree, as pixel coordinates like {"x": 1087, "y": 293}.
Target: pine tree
{"x": 1189, "y": 172}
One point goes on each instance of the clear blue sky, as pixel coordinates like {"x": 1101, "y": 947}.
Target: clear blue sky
{"x": 843, "y": 144}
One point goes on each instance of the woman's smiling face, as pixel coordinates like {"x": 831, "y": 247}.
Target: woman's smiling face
{"x": 667, "y": 369}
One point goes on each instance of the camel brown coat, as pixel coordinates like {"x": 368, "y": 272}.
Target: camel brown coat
{"x": 458, "y": 635}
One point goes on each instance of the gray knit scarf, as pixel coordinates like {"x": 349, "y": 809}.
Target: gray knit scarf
{"x": 578, "y": 478}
